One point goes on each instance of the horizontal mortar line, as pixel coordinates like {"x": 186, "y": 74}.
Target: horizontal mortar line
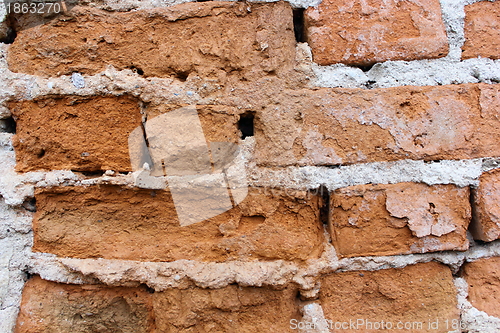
{"x": 117, "y": 82}
{"x": 164, "y": 275}
{"x": 458, "y": 172}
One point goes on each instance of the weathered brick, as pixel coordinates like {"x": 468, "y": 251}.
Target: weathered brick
{"x": 483, "y": 279}
{"x": 82, "y": 134}
{"x": 398, "y": 219}
{"x": 229, "y": 309}
{"x": 421, "y": 293}
{"x": 485, "y": 225}
{"x": 92, "y": 134}
{"x": 365, "y": 32}
{"x": 344, "y": 126}
{"x": 54, "y": 307}
{"x": 136, "y": 224}
{"x": 213, "y": 38}
{"x": 482, "y": 30}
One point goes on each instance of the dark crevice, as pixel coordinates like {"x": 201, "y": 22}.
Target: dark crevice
{"x": 148, "y": 288}
{"x": 30, "y": 205}
{"x": 136, "y": 70}
{"x": 8, "y": 125}
{"x": 246, "y": 124}
{"x": 324, "y": 212}
{"x": 365, "y": 68}
{"x": 10, "y": 37}
{"x": 182, "y": 76}
{"x": 298, "y": 25}
{"x": 93, "y": 174}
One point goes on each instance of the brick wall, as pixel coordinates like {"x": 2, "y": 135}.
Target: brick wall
{"x": 303, "y": 166}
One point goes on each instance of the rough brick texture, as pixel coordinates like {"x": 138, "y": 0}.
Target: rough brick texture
{"x": 136, "y": 224}
{"x": 82, "y": 134}
{"x": 209, "y": 39}
{"x": 230, "y": 309}
{"x": 486, "y": 223}
{"x": 52, "y": 307}
{"x": 398, "y": 219}
{"x": 482, "y": 30}
{"x": 483, "y": 280}
{"x": 92, "y": 134}
{"x": 365, "y": 32}
{"x": 343, "y": 126}
{"x": 414, "y": 294}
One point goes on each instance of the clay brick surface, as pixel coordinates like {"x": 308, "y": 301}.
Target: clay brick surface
{"x": 365, "y": 32}
{"x": 485, "y": 225}
{"x": 230, "y": 309}
{"x": 482, "y": 30}
{"x": 483, "y": 279}
{"x": 92, "y": 134}
{"x": 137, "y": 224}
{"x": 212, "y": 38}
{"x": 420, "y": 293}
{"x": 399, "y": 218}
{"x": 82, "y": 134}
{"x": 49, "y": 307}
{"x": 344, "y": 126}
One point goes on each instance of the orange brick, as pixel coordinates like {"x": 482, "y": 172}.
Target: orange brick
{"x": 207, "y": 39}
{"x": 399, "y": 219}
{"x": 229, "y": 309}
{"x": 92, "y": 134}
{"x": 483, "y": 279}
{"x": 416, "y": 296}
{"x": 482, "y": 30}
{"x": 49, "y": 307}
{"x": 114, "y": 222}
{"x": 82, "y": 134}
{"x": 486, "y": 222}
{"x": 365, "y": 32}
{"x": 345, "y": 126}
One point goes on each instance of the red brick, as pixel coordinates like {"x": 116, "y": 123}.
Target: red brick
{"x": 482, "y": 30}
{"x": 207, "y": 39}
{"x": 345, "y": 126}
{"x": 82, "y": 134}
{"x": 229, "y": 309}
{"x": 399, "y": 218}
{"x": 483, "y": 279}
{"x": 49, "y": 307}
{"x": 421, "y": 293}
{"x": 92, "y": 133}
{"x": 359, "y": 32}
{"x": 486, "y": 222}
{"x": 114, "y": 222}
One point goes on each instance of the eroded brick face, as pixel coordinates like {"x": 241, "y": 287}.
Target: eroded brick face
{"x": 483, "y": 280}
{"x": 486, "y": 222}
{"x": 416, "y": 294}
{"x": 482, "y": 30}
{"x": 358, "y": 32}
{"x": 92, "y": 133}
{"x": 76, "y": 133}
{"x": 140, "y": 224}
{"x": 54, "y": 307}
{"x": 229, "y": 309}
{"x": 345, "y": 126}
{"x": 399, "y": 218}
{"x": 209, "y": 39}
